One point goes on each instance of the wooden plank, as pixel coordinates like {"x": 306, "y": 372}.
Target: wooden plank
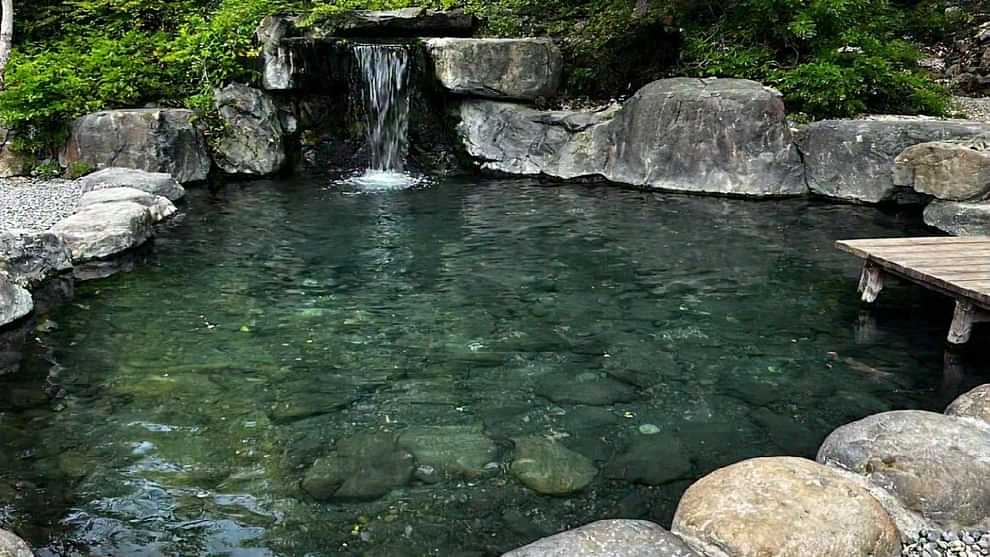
{"x": 972, "y": 250}
{"x": 940, "y": 240}
{"x": 947, "y": 287}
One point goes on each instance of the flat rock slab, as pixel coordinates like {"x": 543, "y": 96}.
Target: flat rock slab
{"x": 959, "y": 218}
{"x": 523, "y": 69}
{"x": 609, "y": 538}
{"x": 106, "y": 229}
{"x": 159, "y": 207}
{"x": 406, "y": 22}
{"x": 784, "y": 507}
{"x": 15, "y": 302}
{"x": 149, "y": 139}
{"x": 12, "y": 546}
{"x": 853, "y": 160}
{"x": 30, "y": 258}
{"x": 549, "y": 468}
{"x": 155, "y": 183}
{"x": 949, "y": 170}
{"x": 458, "y": 452}
{"x": 974, "y": 404}
{"x": 936, "y": 465}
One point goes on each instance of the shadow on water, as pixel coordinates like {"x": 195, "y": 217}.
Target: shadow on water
{"x": 177, "y": 409}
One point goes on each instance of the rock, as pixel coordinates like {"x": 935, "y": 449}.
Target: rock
{"x": 785, "y": 507}
{"x": 159, "y": 207}
{"x": 276, "y": 62}
{"x": 12, "y": 546}
{"x": 150, "y": 139}
{"x": 651, "y": 460}
{"x": 106, "y": 229}
{"x": 454, "y": 452}
{"x": 854, "y": 159}
{"x": 15, "y": 302}
{"x": 609, "y": 538}
{"x": 363, "y": 468}
{"x": 252, "y": 143}
{"x": 589, "y": 388}
{"x": 31, "y": 258}
{"x": 936, "y": 465}
{"x": 950, "y": 170}
{"x": 974, "y": 404}
{"x": 12, "y": 163}
{"x": 725, "y": 136}
{"x": 549, "y": 468}
{"x": 522, "y": 69}
{"x": 406, "y": 22}
{"x": 155, "y": 183}
{"x": 959, "y": 218}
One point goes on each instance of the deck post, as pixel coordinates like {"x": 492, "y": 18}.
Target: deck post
{"x": 965, "y": 317}
{"x": 871, "y": 283}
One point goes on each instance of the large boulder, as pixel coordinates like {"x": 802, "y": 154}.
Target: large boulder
{"x": 12, "y": 546}
{"x": 15, "y": 302}
{"x": 523, "y": 69}
{"x": 784, "y": 507}
{"x": 31, "y": 258}
{"x": 609, "y": 538}
{"x": 853, "y": 160}
{"x": 723, "y": 136}
{"x": 150, "y": 139}
{"x": 252, "y": 143}
{"x": 950, "y": 170}
{"x": 159, "y": 207}
{"x": 959, "y": 218}
{"x": 974, "y": 404}
{"x": 105, "y": 229}
{"x": 154, "y": 183}
{"x": 936, "y": 465}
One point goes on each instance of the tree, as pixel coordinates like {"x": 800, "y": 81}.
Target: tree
{"x": 6, "y": 34}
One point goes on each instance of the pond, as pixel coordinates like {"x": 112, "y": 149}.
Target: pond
{"x": 411, "y": 338}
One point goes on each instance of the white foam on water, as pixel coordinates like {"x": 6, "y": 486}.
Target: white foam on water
{"x": 373, "y": 181}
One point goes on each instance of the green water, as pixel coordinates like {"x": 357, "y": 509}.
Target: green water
{"x": 176, "y": 409}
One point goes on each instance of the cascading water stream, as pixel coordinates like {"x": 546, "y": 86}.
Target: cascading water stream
{"x": 385, "y": 85}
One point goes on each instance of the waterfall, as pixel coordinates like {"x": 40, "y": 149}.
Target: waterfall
{"x": 385, "y": 84}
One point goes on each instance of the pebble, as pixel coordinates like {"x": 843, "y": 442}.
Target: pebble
{"x": 649, "y": 429}
{"x": 933, "y": 543}
{"x": 35, "y": 204}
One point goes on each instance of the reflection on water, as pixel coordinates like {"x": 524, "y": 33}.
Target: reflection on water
{"x": 297, "y": 371}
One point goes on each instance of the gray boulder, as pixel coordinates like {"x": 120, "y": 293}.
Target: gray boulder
{"x": 31, "y": 258}
{"x": 550, "y": 468}
{"x": 935, "y": 465}
{"x": 105, "y": 229}
{"x": 609, "y": 538}
{"x": 15, "y": 302}
{"x": 252, "y": 143}
{"x": 974, "y": 404}
{"x": 950, "y": 170}
{"x": 785, "y": 507}
{"x": 853, "y": 160}
{"x": 12, "y": 546}
{"x": 150, "y": 139}
{"x": 159, "y": 207}
{"x": 959, "y": 218}
{"x": 523, "y": 69}
{"x": 155, "y": 183}
{"x": 723, "y": 136}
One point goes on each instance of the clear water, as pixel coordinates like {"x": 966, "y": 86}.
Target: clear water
{"x": 175, "y": 409}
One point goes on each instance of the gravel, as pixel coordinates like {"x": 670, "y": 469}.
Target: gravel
{"x": 34, "y": 204}
{"x": 932, "y": 543}
{"x": 974, "y": 108}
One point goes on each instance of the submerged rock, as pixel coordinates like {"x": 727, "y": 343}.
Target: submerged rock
{"x": 651, "y": 460}
{"x": 151, "y": 139}
{"x": 363, "y": 468}
{"x": 974, "y": 404}
{"x": 15, "y": 302}
{"x": 854, "y": 159}
{"x": 593, "y": 389}
{"x": 726, "y": 136}
{"x": 936, "y": 465}
{"x": 959, "y": 218}
{"x": 451, "y": 451}
{"x": 523, "y": 69}
{"x": 949, "y": 170}
{"x": 252, "y": 143}
{"x": 155, "y": 183}
{"x": 549, "y": 468}
{"x": 106, "y": 229}
{"x": 159, "y": 207}
{"x": 785, "y": 507}
{"x": 30, "y": 258}
{"x": 609, "y": 538}
{"x": 12, "y": 546}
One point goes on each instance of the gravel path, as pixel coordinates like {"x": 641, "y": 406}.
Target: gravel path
{"x": 974, "y": 108}
{"x": 36, "y": 205}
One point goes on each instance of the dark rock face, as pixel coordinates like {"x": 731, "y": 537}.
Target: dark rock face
{"x": 31, "y": 259}
{"x": 253, "y": 140}
{"x": 935, "y": 465}
{"x": 609, "y": 538}
{"x": 523, "y": 69}
{"x": 15, "y": 302}
{"x": 853, "y": 160}
{"x": 155, "y": 183}
{"x": 724, "y": 136}
{"x": 363, "y": 468}
{"x": 959, "y": 218}
{"x": 150, "y": 139}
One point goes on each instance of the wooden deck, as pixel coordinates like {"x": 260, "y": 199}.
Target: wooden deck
{"x": 956, "y": 267}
